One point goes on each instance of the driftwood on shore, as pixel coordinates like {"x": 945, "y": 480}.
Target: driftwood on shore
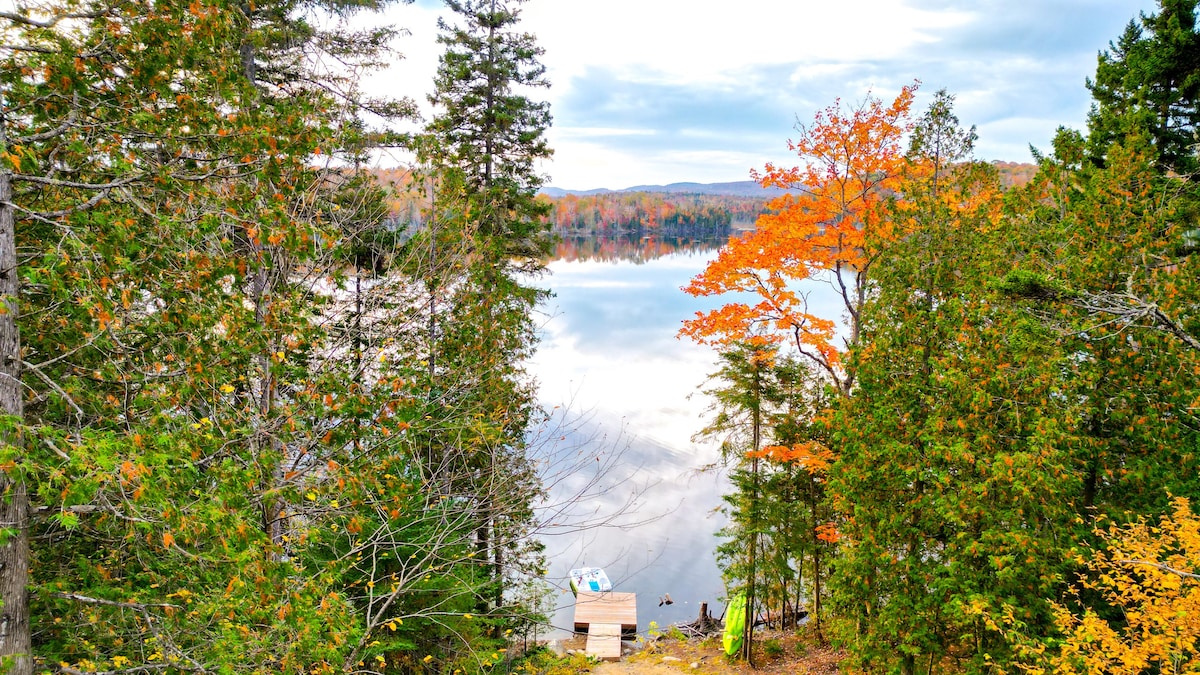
{"x": 703, "y": 626}
{"x": 789, "y": 617}
{"x": 706, "y": 625}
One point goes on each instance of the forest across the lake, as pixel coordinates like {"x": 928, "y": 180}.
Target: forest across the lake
{"x": 679, "y": 210}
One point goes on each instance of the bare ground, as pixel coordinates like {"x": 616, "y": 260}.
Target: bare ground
{"x": 776, "y": 653}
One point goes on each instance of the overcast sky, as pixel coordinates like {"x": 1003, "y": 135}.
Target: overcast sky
{"x": 663, "y": 91}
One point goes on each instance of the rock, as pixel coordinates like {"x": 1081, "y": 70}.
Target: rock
{"x": 670, "y": 659}
{"x": 695, "y": 665}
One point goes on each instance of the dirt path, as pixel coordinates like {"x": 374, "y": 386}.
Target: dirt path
{"x": 790, "y": 654}
{"x": 637, "y": 668}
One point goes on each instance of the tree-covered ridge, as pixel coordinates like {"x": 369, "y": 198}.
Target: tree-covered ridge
{"x": 696, "y": 215}
{"x": 650, "y": 212}
{"x": 1015, "y": 174}
{"x": 607, "y": 214}
{"x": 683, "y": 214}
{"x": 637, "y": 212}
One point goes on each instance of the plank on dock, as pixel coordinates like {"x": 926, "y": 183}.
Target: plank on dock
{"x": 604, "y": 641}
{"x": 611, "y": 608}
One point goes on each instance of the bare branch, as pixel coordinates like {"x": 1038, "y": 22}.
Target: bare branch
{"x": 53, "y": 385}
{"x": 49, "y": 23}
{"x": 49, "y": 216}
{"x": 1128, "y": 308}
{"x": 1165, "y": 568}
{"x": 25, "y": 178}
{"x": 150, "y": 668}
{"x": 88, "y": 509}
{"x": 114, "y": 603}
{"x": 30, "y": 48}
{"x": 70, "y": 120}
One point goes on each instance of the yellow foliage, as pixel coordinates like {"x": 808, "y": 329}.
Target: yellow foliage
{"x": 1149, "y": 572}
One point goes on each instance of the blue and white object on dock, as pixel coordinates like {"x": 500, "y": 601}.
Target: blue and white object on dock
{"x": 590, "y": 579}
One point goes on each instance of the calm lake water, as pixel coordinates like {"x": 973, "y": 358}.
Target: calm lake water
{"x": 627, "y": 488}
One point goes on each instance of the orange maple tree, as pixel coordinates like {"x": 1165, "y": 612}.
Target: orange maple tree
{"x": 830, "y": 227}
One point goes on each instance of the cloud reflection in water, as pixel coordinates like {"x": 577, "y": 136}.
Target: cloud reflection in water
{"x": 626, "y": 391}
{"x": 610, "y": 360}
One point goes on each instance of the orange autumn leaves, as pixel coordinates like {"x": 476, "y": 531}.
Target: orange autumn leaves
{"x": 810, "y": 456}
{"x": 830, "y": 227}
{"x": 869, "y": 176}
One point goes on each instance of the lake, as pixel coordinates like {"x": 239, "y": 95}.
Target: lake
{"x": 627, "y": 490}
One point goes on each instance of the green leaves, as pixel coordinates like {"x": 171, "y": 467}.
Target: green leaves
{"x": 194, "y": 375}
{"x": 1032, "y": 286}
{"x": 488, "y": 133}
{"x": 1024, "y": 368}
{"x": 946, "y": 444}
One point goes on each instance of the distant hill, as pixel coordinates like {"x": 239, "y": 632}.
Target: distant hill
{"x": 554, "y": 193}
{"x": 1015, "y": 174}
{"x": 686, "y": 209}
{"x": 742, "y": 188}
{"x": 677, "y": 209}
{"x": 1012, "y": 174}
{"x": 641, "y": 212}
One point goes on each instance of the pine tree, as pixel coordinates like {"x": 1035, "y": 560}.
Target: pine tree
{"x": 1149, "y": 81}
{"x": 175, "y": 234}
{"x": 487, "y": 129}
{"x": 764, "y": 406}
{"x": 480, "y": 153}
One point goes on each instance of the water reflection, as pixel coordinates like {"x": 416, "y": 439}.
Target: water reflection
{"x": 623, "y": 473}
{"x": 633, "y": 249}
{"x": 627, "y": 492}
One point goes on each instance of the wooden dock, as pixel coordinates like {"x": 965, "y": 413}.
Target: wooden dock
{"x": 605, "y": 617}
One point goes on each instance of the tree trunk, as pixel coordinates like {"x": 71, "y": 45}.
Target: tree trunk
{"x": 817, "y": 592}
{"x": 262, "y": 286}
{"x": 483, "y": 550}
{"x": 747, "y": 644}
{"x": 15, "y": 640}
{"x": 497, "y": 576}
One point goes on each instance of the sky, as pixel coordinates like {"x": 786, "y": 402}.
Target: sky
{"x": 664, "y": 91}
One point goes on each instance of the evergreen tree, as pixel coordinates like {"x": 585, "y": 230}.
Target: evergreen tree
{"x": 945, "y": 480}
{"x": 1149, "y": 81}
{"x": 741, "y": 403}
{"x": 763, "y": 414}
{"x": 480, "y": 153}
{"x": 488, "y": 130}
{"x": 176, "y": 236}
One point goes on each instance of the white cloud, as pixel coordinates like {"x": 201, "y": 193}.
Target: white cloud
{"x": 660, "y": 91}
{"x": 587, "y": 165}
{"x": 593, "y": 132}
{"x": 707, "y": 41}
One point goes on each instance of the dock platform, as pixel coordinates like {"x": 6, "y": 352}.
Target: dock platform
{"x": 605, "y": 617}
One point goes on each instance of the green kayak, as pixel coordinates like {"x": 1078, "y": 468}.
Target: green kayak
{"x": 735, "y": 624}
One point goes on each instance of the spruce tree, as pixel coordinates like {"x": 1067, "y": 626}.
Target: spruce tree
{"x": 488, "y": 129}
{"x": 480, "y": 154}
{"x": 1149, "y": 81}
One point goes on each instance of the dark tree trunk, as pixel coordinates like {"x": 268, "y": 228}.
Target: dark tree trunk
{"x": 756, "y": 431}
{"x": 15, "y": 641}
